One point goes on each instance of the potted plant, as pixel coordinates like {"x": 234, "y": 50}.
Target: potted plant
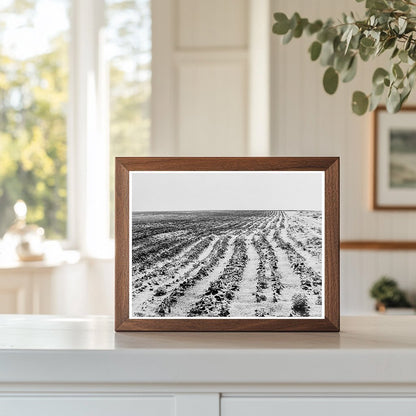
{"x": 389, "y": 27}
{"x": 387, "y": 294}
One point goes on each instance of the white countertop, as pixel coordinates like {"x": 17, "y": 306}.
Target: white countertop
{"x": 46, "y": 349}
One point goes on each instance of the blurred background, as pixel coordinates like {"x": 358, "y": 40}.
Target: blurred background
{"x": 83, "y": 81}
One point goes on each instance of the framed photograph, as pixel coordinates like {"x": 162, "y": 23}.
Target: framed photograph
{"x": 227, "y": 244}
{"x": 394, "y": 180}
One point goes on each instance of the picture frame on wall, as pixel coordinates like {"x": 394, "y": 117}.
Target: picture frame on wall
{"x": 227, "y": 244}
{"x": 394, "y": 159}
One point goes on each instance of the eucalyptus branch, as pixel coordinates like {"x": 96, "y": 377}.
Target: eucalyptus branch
{"x": 389, "y": 26}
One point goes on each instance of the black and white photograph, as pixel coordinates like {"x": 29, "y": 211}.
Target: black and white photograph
{"x": 226, "y": 244}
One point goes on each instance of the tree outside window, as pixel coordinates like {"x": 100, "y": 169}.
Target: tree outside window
{"x": 34, "y": 93}
{"x": 33, "y": 99}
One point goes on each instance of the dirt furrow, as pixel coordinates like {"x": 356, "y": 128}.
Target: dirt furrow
{"x": 244, "y": 303}
{"x": 141, "y": 276}
{"x": 146, "y": 299}
{"x": 194, "y": 293}
{"x": 216, "y": 301}
{"x": 290, "y": 281}
{"x": 312, "y": 261}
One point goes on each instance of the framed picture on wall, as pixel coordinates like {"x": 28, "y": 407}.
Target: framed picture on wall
{"x": 394, "y": 183}
{"x": 227, "y": 244}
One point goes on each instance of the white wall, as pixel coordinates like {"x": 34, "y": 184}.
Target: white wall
{"x": 308, "y": 122}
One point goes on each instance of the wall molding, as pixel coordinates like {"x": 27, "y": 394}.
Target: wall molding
{"x": 378, "y": 245}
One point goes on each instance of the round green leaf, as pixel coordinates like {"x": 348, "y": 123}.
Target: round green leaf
{"x": 327, "y": 54}
{"x": 351, "y": 71}
{"x": 300, "y": 25}
{"x": 288, "y": 37}
{"x": 403, "y": 55}
{"x": 315, "y": 50}
{"x": 281, "y": 27}
{"x": 367, "y": 42}
{"x": 359, "y": 103}
{"x": 378, "y": 89}
{"x": 374, "y": 102}
{"x": 314, "y": 27}
{"x": 403, "y": 96}
{"x": 389, "y": 43}
{"x": 397, "y": 71}
{"x": 376, "y": 4}
{"x": 322, "y": 36}
{"x": 393, "y": 101}
{"x": 379, "y": 75}
{"x": 330, "y": 80}
{"x": 366, "y": 53}
{"x": 342, "y": 61}
{"x": 395, "y": 52}
{"x": 294, "y": 20}
{"x": 297, "y": 31}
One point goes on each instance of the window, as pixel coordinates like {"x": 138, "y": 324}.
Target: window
{"x": 75, "y": 87}
{"x": 33, "y": 98}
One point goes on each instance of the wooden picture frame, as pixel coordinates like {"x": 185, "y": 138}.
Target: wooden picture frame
{"x": 146, "y": 176}
{"x": 394, "y": 184}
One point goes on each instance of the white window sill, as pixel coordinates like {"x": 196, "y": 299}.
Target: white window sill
{"x": 56, "y": 256}
{"x": 8, "y": 262}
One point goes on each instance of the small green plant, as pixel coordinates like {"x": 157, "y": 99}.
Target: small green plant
{"x": 388, "y": 294}
{"x": 389, "y": 26}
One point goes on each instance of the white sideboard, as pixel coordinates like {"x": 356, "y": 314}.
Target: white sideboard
{"x": 79, "y": 366}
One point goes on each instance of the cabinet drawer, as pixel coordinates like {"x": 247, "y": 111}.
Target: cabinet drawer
{"x": 87, "y": 406}
{"x": 273, "y": 406}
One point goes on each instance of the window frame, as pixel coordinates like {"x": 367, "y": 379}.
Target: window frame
{"x": 87, "y": 133}
{"x": 88, "y": 136}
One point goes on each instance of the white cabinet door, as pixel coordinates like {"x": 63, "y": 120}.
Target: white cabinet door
{"x": 88, "y": 406}
{"x": 273, "y": 406}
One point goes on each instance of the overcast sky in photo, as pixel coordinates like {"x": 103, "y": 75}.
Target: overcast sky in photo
{"x": 197, "y": 190}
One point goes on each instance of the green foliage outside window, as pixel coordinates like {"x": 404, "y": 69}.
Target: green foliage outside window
{"x": 33, "y": 99}
{"x": 34, "y": 103}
